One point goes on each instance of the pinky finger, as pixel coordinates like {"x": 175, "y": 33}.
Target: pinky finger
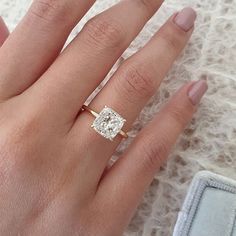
{"x": 3, "y": 32}
{"x": 129, "y": 177}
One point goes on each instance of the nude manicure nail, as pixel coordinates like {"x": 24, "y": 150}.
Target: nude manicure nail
{"x": 185, "y": 19}
{"x": 197, "y": 91}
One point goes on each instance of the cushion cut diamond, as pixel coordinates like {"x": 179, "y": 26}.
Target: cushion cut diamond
{"x": 108, "y": 123}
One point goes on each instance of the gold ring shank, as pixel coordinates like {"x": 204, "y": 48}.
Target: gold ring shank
{"x": 95, "y": 114}
{"x": 86, "y": 108}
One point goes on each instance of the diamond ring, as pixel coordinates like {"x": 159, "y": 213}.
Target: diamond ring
{"x": 107, "y": 123}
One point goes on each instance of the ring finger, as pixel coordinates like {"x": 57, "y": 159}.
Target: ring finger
{"x": 136, "y": 81}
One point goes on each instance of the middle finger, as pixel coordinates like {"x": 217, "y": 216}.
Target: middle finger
{"x": 87, "y": 60}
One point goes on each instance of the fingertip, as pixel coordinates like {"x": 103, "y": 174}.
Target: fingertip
{"x": 186, "y": 18}
{"x": 181, "y": 104}
{"x": 197, "y": 91}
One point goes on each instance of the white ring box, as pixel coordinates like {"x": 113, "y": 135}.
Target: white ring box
{"x": 209, "y": 208}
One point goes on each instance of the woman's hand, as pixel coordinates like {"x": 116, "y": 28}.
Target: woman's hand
{"x": 53, "y": 175}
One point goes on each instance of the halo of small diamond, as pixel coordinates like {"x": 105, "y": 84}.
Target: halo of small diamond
{"x": 108, "y": 123}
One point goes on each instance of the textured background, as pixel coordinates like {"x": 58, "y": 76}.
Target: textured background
{"x": 210, "y": 140}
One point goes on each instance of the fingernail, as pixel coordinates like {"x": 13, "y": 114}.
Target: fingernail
{"x": 197, "y": 91}
{"x": 185, "y": 19}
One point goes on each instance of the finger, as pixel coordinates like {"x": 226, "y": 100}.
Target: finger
{"x": 87, "y": 60}
{"x": 134, "y": 83}
{"x": 129, "y": 177}
{"x": 3, "y": 31}
{"x": 140, "y": 76}
{"x": 36, "y": 42}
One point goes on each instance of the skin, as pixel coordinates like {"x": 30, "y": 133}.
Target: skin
{"x": 54, "y": 178}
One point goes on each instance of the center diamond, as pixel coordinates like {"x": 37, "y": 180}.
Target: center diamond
{"x": 108, "y": 123}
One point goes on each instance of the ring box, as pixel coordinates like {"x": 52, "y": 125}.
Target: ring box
{"x": 209, "y": 208}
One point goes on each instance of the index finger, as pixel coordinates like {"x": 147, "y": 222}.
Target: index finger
{"x": 36, "y": 42}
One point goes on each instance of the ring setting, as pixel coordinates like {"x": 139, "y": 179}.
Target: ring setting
{"x": 107, "y": 123}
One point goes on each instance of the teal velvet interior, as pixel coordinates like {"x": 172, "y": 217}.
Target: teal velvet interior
{"x": 215, "y": 215}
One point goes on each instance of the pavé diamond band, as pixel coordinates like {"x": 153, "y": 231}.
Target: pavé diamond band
{"x": 107, "y": 123}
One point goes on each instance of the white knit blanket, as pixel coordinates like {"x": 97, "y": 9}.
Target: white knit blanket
{"x": 210, "y": 140}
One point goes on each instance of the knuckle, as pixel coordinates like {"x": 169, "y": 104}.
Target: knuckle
{"x": 14, "y": 145}
{"x": 26, "y": 127}
{"x": 18, "y": 141}
{"x": 135, "y": 82}
{"x": 146, "y": 4}
{"x": 179, "y": 115}
{"x": 29, "y": 127}
{"x": 155, "y": 154}
{"x": 104, "y": 32}
{"x": 150, "y": 5}
{"x": 171, "y": 39}
{"x": 49, "y": 10}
